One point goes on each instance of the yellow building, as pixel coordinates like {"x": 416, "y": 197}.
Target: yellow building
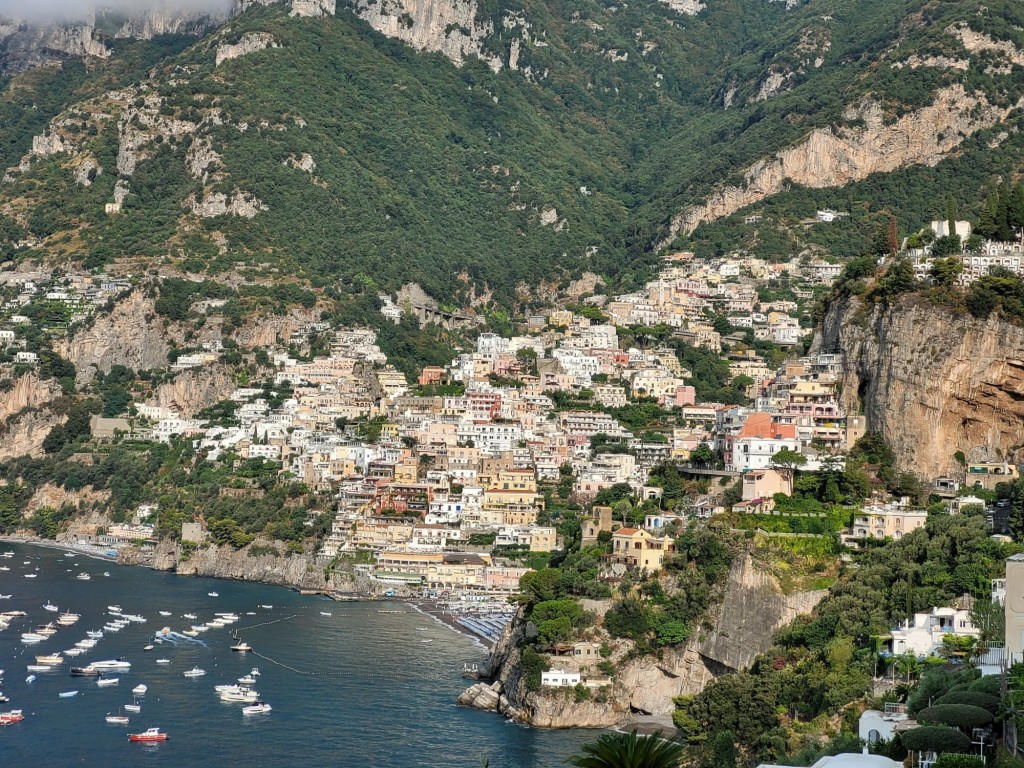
{"x": 637, "y": 548}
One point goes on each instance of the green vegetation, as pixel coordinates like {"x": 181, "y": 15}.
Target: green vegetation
{"x": 628, "y": 750}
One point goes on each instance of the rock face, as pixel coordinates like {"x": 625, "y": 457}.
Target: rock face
{"x": 752, "y": 609}
{"x": 449, "y": 27}
{"x": 250, "y": 42}
{"x": 131, "y": 335}
{"x": 688, "y": 7}
{"x": 832, "y": 157}
{"x": 194, "y": 389}
{"x": 24, "y": 435}
{"x": 243, "y": 204}
{"x": 930, "y": 382}
{"x": 27, "y": 392}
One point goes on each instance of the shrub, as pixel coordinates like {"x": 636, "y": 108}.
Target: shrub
{"x": 935, "y": 738}
{"x": 956, "y": 715}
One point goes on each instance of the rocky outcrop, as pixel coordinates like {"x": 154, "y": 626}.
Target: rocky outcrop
{"x": 131, "y": 335}
{"x": 449, "y": 27}
{"x": 194, "y": 389}
{"x": 24, "y": 434}
{"x": 312, "y": 8}
{"x": 687, "y": 7}
{"x": 251, "y": 42}
{"x": 929, "y": 381}
{"x": 833, "y": 157}
{"x": 752, "y": 608}
{"x": 267, "y": 330}
{"x": 243, "y": 204}
{"x": 27, "y": 392}
{"x": 86, "y": 501}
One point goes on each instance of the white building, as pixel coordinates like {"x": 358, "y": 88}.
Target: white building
{"x": 923, "y": 636}
{"x": 559, "y": 678}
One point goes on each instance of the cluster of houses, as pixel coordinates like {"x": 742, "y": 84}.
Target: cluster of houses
{"x": 689, "y": 290}
{"x": 65, "y": 299}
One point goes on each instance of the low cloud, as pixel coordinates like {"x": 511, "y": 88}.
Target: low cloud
{"x": 71, "y": 10}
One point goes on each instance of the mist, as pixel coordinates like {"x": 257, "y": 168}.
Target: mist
{"x": 74, "y": 10}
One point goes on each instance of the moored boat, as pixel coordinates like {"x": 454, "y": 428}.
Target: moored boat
{"x": 50, "y": 607}
{"x": 53, "y": 659}
{"x": 163, "y": 661}
{"x": 241, "y": 647}
{"x": 88, "y": 671}
{"x": 150, "y": 734}
{"x": 112, "y": 665}
{"x": 195, "y": 672}
{"x": 140, "y": 690}
{"x": 9, "y": 718}
{"x": 259, "y": 708}
{"x": 68, "y": 694}
{"x": 39, "y": 668}
{"x": 117, "y": 719}
{"x": 103, "y": 682}
{"x": 83, "y": 576}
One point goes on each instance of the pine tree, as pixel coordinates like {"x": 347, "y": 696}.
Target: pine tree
{"x": 893, "y": 240}
{"x": 951, "y": 215}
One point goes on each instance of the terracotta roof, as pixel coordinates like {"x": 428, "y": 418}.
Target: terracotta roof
{"x": 627, "y": 531}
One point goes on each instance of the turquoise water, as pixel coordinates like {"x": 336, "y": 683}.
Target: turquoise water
{"x": 357, "y": 688}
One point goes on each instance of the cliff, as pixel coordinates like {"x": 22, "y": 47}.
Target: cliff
{"x": 752, "y": 608}
{"x": 931, "y": 382}
{"x": 131, "y": 335}
{"x": 865, "y": 144}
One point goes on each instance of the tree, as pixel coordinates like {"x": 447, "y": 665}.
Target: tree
{"x": 789, "y": 462}
{"x": 723, "y": 750}
{"x": 955, "y": 715}
{"x": 628, "y": 750}
{"x": 893, "y": 237}
{"x": 55, "y": 439}
{"x": 948, "y": 245}
{"x": 935, "y": 738}
{"x": 944, "y": 272}
{"x": 702, "y": 455}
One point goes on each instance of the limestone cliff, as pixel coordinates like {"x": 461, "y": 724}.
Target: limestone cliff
{"x": 929, "y": 381}
{"x": 753, "y": 607}
{"x": 24, "y": 434}
{"x": 131, "y": 335}
{"x": 27, "y": 392}
{"x": 865, "y": 144}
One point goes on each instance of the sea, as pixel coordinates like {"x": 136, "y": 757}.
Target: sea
{"x": 355, "y": 687}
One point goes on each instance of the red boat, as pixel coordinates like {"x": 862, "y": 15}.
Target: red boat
{"x": 150, "y": 734}
{"x": 9, "y": 718}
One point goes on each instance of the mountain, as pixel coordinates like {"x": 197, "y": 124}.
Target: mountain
{"x": 493, "y": 151}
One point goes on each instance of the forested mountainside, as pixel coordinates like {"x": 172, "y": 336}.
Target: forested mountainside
{"x": 481, "y": 148}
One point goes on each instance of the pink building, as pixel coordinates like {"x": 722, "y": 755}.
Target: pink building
{"x": 503, "y": 579}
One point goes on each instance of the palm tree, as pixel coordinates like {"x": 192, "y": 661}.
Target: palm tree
{"x": 628, "y": 750}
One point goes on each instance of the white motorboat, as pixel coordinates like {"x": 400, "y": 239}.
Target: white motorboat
{"x": 114, "y": 608}
{"x": 215, "y": 624}
{"x": 112, "y": 627}
{"x": 95, "y": 634}
{"x": 135, "y": 618}
{"x": 67, "y": 619}
{"x": 67, "y": 694}
{"x": 149, "y": 647}
{"x": 195, "y": 672}
{"x": 255, "y": 672}
{"x": 241, "y": 647}
{"x": 103, "y": 682}
{"x": 106, "y": 573}
{"x": 227, "y": 618}
{"x": 212, "y": 594}
{"x": 30, "y": 679}
{"x": 259, "y": 708}
{"x": 31, "y": 575}
{"x": 247, "y": 680}
{"x": 46, "y": 630}
{"x": 140, "y": 690}
{"x": 86, "y": 644}
{"x": 50, "y": 607}
{"x": 133, "y": 707}
{"x": 32, "y": 637}
{"x": 117, "y": 719}
{"x": 190, "y": 633}
{"x": 74, "y": 651}
{"x": 53, "y": 659}
{"x": 200, "y": 628}
{"x": 83, "y": 576}
{"x": 326, "y": 613}
{"x": 39, "y": 668}
{"x": 163, "y": 661}
{"x": 164, "y": 613}
{"x": 228, "y": 687}
{"x": 189, "y": 616}
{"x": 268, "y": 607}
{"x": 112, "y": 665}
{"x": 245, "y": 696}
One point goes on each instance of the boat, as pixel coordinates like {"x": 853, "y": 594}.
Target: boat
{"x": 255, "y": 672}
{"x": 50, "y": 607}
{"x": 103, "y": 682}
{"x": 212, "y": 594}
{"x": 140, "y": 690}
{"x": 190, "y": 616}
{"x": 215, "y": 624}
{"x": 227, "y": 618}
{"x": 83, "y": 576}
{"x": 95, "y": 634}
{"x": 190, "y": 633}
{"x": 133, "y": 617}
{"x": 426, "y": 640}
{"x": 46, "y": 629}
{"x": 67, "y": 619}
{"x": 247, "y": 680}
{"x": 106, "y": 573}
{"x": 14, "y": 716}
{"x": 52, "y": 659}
{"x": 3, "y": 699}
{"x": 228, "y": 687}
{"x": 149, "y": 647}
{"x": 164, "y": 631}
{"x": 39, "y": 668}
{"x": 86, "y": 644}
{"x": 268, "y": 607}
{"x": 422, "y": 629}
{"x": 31, "y": 575}
{"x": 164, "y": 613}
{"x": 134, "y": 707}
{"x": 195, "y": 672}
{"x": 88, "y": 671}
{"x": 326, "y": 613}
{"x": 163, "y": 661}
{"x": 259, "y": 708}
{"x": 243, "y": 695}
{"x": 241, "y": 647}
{"x": 30, "y": 679}
{"x": 32, "y": 637}
{"x": 150, "y": 734}
{"x": 200, "y": 628}
{"x": 114, "y": 608}
{"x": 117, "y": 719}
{"x": 74, "y": 651}
{"x": 67, "y": 694}
{"x": 68, "y": 554}
{"x": 112, "y": 665}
